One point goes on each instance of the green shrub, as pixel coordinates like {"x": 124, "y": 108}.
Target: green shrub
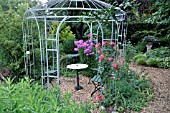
{"x": 140, "y": 47}
{"x": 152, "y": 62}
{"x": 158, "y": 57}
{"x": 11, "y": 34}
{"x": 140, "y": 56}
{"x": 68, "y": 46}
{"x": 159, "y": 52}
{"x": 141, "y": 61}
{"x": 25, "y": 97}
{"x": 164, "y": 62}
{"x": 65, "y": 31}
{"x": 128, "y": 91}
{"x": 130, "y": 51}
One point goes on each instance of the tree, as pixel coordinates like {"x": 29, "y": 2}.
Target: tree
{"x": 11, "y": 41}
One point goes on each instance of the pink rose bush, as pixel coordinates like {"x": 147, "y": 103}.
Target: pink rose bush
{"x": 108, "y": 69}
{"x": 106, "y": 58}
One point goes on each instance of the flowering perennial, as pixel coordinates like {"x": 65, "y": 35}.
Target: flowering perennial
{"x": 102, "y": 55}
{"x": 86, "y": 45}
{"x": 106, "y": 59}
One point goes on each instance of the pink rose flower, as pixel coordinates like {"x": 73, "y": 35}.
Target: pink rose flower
{"x": 89, "y": 35}
{"x": 123, "y": 60}
{"x": 104, "y": 43}
{"x": 112, "y": 43}
{"x": 109, "y": 58}
{"x": 101, "y": 58}
{"x": 97, "y": 45}
{"x": 98, "y": 51}
{"x": 115, "y": 66}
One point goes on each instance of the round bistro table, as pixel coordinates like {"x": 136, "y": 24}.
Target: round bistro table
{"x": 77, "y": 67}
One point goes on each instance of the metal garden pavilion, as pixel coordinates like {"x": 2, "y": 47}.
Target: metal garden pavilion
{"x": 37, "y": 24}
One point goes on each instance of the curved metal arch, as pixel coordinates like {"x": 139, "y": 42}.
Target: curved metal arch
{"x": 39, "y": 34}
{"x": 101, "y": 28}
{"x": 40, "y": 39}
{"x": 58, "y": 47}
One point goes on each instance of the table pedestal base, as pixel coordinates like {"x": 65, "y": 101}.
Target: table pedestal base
{"x": 78, "y": 88}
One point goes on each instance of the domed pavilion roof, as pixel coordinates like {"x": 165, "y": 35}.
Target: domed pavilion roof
{"x": 65, "y": 7}
{"x": 76, "y": 4}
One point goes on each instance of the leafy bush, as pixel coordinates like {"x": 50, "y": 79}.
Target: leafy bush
{"x": 65, "y": 31}
{"x": 130, "y": 51}
{"x": 140, "y": 56}
{"x": 140, "y": 47}
{"x": 158, "y": 57}
{"x": 68, "y": 46}
{"x": 152, "y": 62}
{"x": 159, "y": 52}
{"x": 27, "y": 98}
{"x": 161, "y": 55}
{"x": 164, "y": 62}
{"x": 128, "y": 91}
{"x": 11, "y": 41}
{"x": 141, "y": 61}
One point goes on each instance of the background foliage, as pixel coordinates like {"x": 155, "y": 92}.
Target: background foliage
{"x": 11, "y": 49}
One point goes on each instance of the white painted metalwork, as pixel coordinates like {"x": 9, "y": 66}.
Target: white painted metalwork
{"x": 38, "y": 22}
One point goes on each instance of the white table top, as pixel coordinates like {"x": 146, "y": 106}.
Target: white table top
{"x": 77, "y": 66}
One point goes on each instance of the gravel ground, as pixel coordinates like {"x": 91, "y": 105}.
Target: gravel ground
{"x": 67, "y": 85}
{"x": 160, "y": 80}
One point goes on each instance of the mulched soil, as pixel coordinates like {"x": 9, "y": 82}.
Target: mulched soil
{"x": 67, "y": 85}
{"x": 160, "y": 80}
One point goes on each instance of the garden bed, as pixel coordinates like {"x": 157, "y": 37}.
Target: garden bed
{"x": 159, "y": 79}
{"x": 161, "y": 86}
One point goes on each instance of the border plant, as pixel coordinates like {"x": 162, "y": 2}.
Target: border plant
{"x": 31, "y": 98}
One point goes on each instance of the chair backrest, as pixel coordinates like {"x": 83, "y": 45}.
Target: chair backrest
{"x": 96, "y": 78}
